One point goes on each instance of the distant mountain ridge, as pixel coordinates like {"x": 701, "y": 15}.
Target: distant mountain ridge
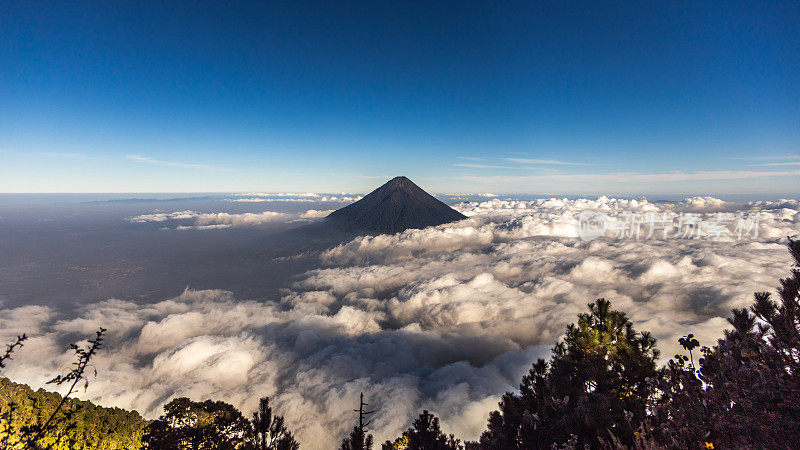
{"x": 396, "y": 206}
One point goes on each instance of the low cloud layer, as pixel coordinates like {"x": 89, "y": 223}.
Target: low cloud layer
{"x": 220, "y": 220}
{"x": 291, "y": 197}
{"x": 446, "y": 318}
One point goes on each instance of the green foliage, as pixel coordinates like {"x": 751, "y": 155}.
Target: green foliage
{"x": 357, "y": 440}
{"x": 89, "y": 426}
{"x": 594, "y": 389}
{"x": 195, "y": 425}
{"x": 268, "y": 432}
{"x": 6, "y": 356}
{"x": 209, "y": 424}
{"x": 43, "y": 419}
{"x": 425, "y": 434}
{"x": 60, "y": 418}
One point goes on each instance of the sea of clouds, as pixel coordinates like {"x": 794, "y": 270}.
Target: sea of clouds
{"x": 447, "y": 318}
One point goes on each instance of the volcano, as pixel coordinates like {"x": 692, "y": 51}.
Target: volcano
{"x": 394, "y": 207}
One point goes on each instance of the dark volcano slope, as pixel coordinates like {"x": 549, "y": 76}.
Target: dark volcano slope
{"x": 394, "y": 207}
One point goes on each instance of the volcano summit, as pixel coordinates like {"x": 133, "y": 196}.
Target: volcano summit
{"x": 394, "y": 207}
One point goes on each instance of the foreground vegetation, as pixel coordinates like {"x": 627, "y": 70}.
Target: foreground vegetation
{"x": 600, "y": 389}
{"x": 91, "y": 426}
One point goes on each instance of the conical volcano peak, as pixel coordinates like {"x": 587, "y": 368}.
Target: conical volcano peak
{"x": 400, "y": 182}
{"x": 402, "y": 185}
{"x": 396, "y": 206}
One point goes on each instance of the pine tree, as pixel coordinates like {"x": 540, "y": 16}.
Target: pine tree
{"x": 593, "y": 392}
{"x": 746, "y": 393}
{"x": 194, "y": 425}
{"x": 425, "y": 434}
{"x": 268, "y": 431}
{"x": 359, "y": 439}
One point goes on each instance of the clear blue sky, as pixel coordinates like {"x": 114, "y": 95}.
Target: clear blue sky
{"x": 534, "y": 96}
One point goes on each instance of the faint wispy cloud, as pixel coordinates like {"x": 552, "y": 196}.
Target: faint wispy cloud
{"x": 545, "y": 161}
{"x": 486, "y": 166}
{"x": 633, "y": 177}
{"x": 786, "y": 157}
{"x": 145, "y": 159}
{"x": 471, "y": 158}
{"x": 790, "y": 163}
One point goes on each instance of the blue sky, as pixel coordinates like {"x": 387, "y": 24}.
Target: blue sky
{"x": 514, "y": 97}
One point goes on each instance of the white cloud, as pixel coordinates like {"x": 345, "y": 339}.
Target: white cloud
{"x": 526, "y": 163}
{"x": 280, "y": 194}
{"x": 445, "y": 318}
{"x": 702, "y": 204}
{"x": 222, "y": 220}
{"x": 597, "y": 179}
{"x": 163, "y": 217}
{"x": 291, "y": 198}
{"x": 314, "y": 214}
{"x": 790, "y": 163}
{"x": 182, "y": 165}
{"x": 219, "y": 226}
{"x": 484, "y": 166}
{"x": 207, "y": 344}
{"x": 545, "y": 161}
{"x": 238, "y": 220}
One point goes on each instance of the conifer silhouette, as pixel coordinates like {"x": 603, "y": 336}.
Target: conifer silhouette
{"x": 359, "y": 439}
